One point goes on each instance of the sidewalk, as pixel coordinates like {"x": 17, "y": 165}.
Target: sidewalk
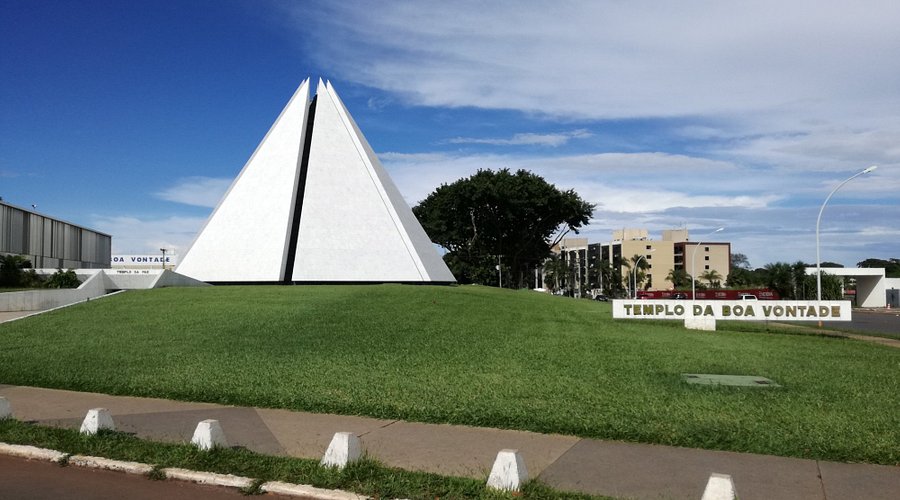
{"x": 611, "y": 468}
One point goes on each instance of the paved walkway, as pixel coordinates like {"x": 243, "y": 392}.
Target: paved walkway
{"x": 11, "y": 315}
{"x": 569, "y": 463}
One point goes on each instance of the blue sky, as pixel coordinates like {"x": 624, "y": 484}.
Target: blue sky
{"x": 133, "y": 117}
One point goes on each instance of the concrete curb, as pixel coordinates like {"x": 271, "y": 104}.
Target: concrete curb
{"x": 210, "y": 478}
{"x": 305, "y": 491}
{"x": 31, "y": 452}
{"x": 115, "y": 465}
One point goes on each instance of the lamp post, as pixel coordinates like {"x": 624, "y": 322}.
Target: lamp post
{"x": 819, "y": 220}
{"x": 163, "y": 250}
{"x": 694, "y": 264}
{"x": 634, "y": 271}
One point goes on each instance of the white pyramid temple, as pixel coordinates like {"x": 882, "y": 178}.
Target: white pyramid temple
{"x": 313, "y": 205}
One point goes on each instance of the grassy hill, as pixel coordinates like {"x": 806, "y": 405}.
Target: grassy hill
{"x": 470, "y": 355}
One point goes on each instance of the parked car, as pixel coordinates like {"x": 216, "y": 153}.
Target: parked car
{"x": 747, "y": 296}
{"x": 601, "y": 297}
{"x": 679, "y": 296}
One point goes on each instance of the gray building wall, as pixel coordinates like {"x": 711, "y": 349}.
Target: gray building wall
{"x": 52, "y": 243}
{"x": 893, "y": 292}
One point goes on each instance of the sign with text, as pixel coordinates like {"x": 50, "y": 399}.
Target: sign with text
{"x": 143, "y": 260}
{"x": 734, "y": 310}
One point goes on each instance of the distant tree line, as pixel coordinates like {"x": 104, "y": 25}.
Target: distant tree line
{"x": 891, "y": 266}
{"x": 790, "y": 280}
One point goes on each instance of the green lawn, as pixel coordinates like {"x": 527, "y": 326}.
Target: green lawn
{"x": 470, "y": 355}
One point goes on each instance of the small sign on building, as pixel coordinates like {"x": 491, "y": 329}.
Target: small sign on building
{"x": 144, "y": 261}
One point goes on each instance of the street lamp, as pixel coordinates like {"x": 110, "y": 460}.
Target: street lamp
{"x": 694, "y": 264}
{"x": 163, "y": 250}
{"x": 634, "y": 271}
{"x": 819, "y": 220}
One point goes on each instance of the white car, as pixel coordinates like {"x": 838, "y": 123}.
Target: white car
{"x": 747, "y": 296}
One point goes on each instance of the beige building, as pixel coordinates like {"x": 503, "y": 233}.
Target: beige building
{"x": 674, "y": 251}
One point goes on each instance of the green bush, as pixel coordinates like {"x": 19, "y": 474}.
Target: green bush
{"x": 12, "y": 271}
{"x": 63, "y": 279}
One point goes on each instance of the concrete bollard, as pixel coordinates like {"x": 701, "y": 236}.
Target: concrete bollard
{"x": 5, "y": 408}
{"x": 96, "y": 419}
{"x": 719, "y": 487}
{"x": 344, "y": 448}
{"x": 209, "y": 435}
{"x": 508, "y": 472}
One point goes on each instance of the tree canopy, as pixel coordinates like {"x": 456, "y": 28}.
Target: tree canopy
{"x": 891, "y": 266}
{"x": 518, "y": 217}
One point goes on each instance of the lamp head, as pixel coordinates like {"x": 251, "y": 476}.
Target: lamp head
{"x": 873, "y": 167}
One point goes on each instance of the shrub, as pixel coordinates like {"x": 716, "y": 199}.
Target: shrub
{"x": 12, "y": 272}
{"x": 63, "y": 279}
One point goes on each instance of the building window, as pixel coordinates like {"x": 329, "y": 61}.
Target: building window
{"x": 648, "y": 247}
{"x": 706, "y": 248}
{"x": 706, "y": 267}
{"x": 706, "y": 257}
{"x": 649, "y": 257}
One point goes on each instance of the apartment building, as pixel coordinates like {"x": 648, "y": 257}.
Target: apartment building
{"x": 608, "y": 267}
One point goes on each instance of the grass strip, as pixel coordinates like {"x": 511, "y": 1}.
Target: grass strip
{"x": 367, "y": 477}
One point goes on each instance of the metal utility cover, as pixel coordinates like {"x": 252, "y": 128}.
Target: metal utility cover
{"x": 733, "y": 380}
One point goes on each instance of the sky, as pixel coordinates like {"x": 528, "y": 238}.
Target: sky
{"x": 132, "y": 118}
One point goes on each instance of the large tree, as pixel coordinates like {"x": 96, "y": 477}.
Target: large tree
{"x": 517, "y": 216}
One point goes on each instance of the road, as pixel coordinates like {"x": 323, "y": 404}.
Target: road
{"x": 886, "y": 323}
{"x": 39, "y": 480}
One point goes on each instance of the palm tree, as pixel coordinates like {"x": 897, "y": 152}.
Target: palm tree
{"x": 679, "y": 278}
{"x": 603, "y": 273}
{"x": 556, "y": 270}
{"x": 712, "y": 277}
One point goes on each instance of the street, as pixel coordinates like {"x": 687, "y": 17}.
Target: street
{"x": 870, "y": 322}
{"x": 39, "y": 480}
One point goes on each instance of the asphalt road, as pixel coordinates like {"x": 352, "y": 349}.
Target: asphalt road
{"x": 886, "y": 323}
{"x": 39, "y": 480}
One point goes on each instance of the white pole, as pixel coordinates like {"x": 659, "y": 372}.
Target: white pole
{"x": 818, "y": 222}
{"x": 634, "y": 271}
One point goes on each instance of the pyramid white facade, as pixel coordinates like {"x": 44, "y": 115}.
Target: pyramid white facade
{"x": 313, "y": 205}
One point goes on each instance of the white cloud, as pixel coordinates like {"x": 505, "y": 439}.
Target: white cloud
{"x": 813, "y": 87}
{"x": 196, "y": 191}
{"x": 526, "y": 139}
{"x": 143, "y": 235}
{"x": 609, "y": 59}
{"x": 616, "y": 181}
{"x": 662, "y": 191}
